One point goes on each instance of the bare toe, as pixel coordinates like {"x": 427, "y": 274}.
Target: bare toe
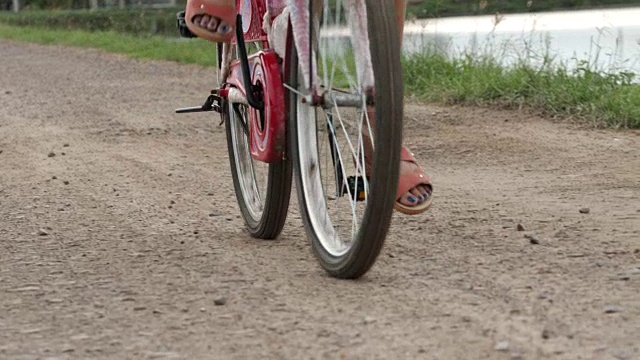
{"x": 415, "y": 192}
{"x": 408, "y": 200}
{"x": 204, "y": 20}
{"x": 212, "y": 25}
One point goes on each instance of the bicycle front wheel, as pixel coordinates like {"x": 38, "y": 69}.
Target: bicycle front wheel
{"x": 345, "y": 103}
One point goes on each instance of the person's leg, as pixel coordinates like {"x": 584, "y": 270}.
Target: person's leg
{"x": 416, "y": 197}
{"x": 419, "y": 193}
{"x": 214, "y": 22}
{"x": 401, "y": 10}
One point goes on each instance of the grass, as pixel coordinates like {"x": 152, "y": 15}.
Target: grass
{"x": 193, "y": 51}
{"x": 444, "y": 8}
{"x": 133, "y": 21}
{"x": 600, "y": 98}
{"x": 603, "y": 99}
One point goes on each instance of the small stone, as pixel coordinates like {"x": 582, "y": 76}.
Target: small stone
{"x": 584, "y": 210}
{"x": 519, "y": 227}
{"x": 196, "y": 232}
{"x": 612, "y": 309}
{"x": 502, "y": 346}
{"x": 43, "y": 232}
{"x": 172, "y": 202}
{"x": 533, "y": 240}
{"x": 54, "y": 177}
{"x": 560, "y": 234}
{"x": 63, "y": 154}
{"x": 65, "y": 145}
{"x": 220, "y": 301}
{"x": 66, "y": 182}
{"x": 369, "y": 320}
{"x": 623, "y": 355}
{"x": 80, "y": 337}
{"x": 621, "y": 277}
{"x": 546, "y": 334}
{"x": 51, "y": 154}
{"x": 139, "y": 308}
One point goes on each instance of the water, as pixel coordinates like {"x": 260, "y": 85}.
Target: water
{"x": 609, "y": 40}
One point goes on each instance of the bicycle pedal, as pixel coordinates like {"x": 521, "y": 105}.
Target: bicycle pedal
{"x": 213, "y": 103}
{"x": 181, "y": 24}
{"x": 356, "y": 187}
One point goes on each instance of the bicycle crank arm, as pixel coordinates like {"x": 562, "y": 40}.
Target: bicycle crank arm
{"x": 211, "y": 104}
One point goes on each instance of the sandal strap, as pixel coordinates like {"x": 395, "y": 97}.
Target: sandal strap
{"x": 407, "y": 155}
{"x": 410, "y": 180}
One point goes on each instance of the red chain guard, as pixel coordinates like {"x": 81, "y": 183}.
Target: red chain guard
{"x": 268, "y": 141}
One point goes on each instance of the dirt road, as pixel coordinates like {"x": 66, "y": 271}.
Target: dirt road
{"x": 119, "y": 233}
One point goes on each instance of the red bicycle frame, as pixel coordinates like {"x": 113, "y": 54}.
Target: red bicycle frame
{"x": 267, "y": 125}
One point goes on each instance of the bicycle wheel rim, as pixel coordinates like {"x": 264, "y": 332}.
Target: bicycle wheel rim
{"x": 348, "y": 245}
{"x": 263, "y": 199}
{"x": 252, "y": 182}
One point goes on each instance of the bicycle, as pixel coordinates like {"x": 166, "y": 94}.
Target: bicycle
{"x": 317, "y": 111}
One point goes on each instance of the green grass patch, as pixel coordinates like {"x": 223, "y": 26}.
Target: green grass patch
{"x": 130, "y": 21}
{"x": 601, "y": 98}
{"x": 193, "y": 51}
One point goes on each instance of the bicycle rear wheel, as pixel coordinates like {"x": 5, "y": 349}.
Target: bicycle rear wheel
{"x": 262, "y": 189}
{"x": 345, "y": 103}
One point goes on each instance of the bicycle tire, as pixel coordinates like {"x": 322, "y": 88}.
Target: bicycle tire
{"x": 353, "y": 257}
{"x": 264, "y": 210}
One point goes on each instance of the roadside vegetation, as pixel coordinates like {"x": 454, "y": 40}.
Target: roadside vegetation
{"x": 417, "y": 8}
{"x": 445, "y": 8}
{"x": 603, "y": 99}
{"x": 134, "y": 21}
{"x": 585, "y": 93}
{"x": 151, "y": 47}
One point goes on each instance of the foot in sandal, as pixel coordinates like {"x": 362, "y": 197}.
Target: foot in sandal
{"x": 213, "y": 20}
{"x": 414, "y": 186}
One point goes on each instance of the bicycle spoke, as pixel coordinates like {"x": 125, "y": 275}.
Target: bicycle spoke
{"x": 335, "y": 130}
